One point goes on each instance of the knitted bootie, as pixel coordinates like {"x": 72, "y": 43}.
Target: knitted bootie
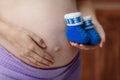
{"x": 94, "y": 37}
{"x": 74, "y": 31}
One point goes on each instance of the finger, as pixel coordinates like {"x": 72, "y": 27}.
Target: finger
{"x": 102, "y": 40}
{"x": 34, "y": 57}
{"x": 28, "y": 61}
{"x": 101, "y": 32}
{"x": 42, "y": 65}
{"x": 81, "y": 46}
{"x": 40, "y": 59}
{"x": 43, "y": 54}
{"x": 88, "y": 46}
{"x": 38, "y": 40}
{"x": 101, "y": 43}
{"x": 36, "y": 64}
{"x": 85, "y": 47}
{"x": 72, "y": 43}
{"x": 36, "y": 49}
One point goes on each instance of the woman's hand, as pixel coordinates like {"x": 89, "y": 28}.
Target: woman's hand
{"x": 101, "y": 32}
{"x": 30, "y": 47}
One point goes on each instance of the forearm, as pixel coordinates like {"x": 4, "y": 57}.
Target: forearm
{"x": 86, "y": 8}
{"x": 4, "y": 29}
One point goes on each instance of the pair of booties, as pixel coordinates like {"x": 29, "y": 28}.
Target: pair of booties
{"x": 81, "y": 30}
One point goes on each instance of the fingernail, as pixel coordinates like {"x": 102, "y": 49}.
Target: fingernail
{"x": 101, "y": 45}
{"x": 44, "y": 45}
{"x": 51, "y": 60}
{"x": 81, "y": 45}
{"x": 72, "y": 44}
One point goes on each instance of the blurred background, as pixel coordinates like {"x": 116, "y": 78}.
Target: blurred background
{"x": 104, "y": 63}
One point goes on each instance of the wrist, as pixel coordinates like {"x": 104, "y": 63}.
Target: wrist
{"x": 4, "y": 29}
{"x": 95, "y": 21}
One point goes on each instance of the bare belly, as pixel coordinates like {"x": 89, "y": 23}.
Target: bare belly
{"x": 45, "y": 18}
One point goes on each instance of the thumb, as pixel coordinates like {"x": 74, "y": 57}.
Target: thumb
{"x": 39, "y": 41}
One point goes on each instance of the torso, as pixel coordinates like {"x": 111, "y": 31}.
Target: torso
{"x": 45, "y": 18}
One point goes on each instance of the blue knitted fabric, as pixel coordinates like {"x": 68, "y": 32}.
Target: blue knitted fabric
{"x": 76, "y": 34}
{"x": 94, "y": 37}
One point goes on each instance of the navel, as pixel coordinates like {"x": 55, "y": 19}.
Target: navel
{"x": 57, "y": 48}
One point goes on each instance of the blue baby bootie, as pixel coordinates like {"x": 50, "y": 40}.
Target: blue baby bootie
{"x": 94, "y": 37}
{"x": 74, "y": 31}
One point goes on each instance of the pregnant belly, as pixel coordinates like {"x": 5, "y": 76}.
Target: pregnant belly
{"x": 49, "y": 26}
{"x": 53, "y": 34}
{"x": 57, "y": 44}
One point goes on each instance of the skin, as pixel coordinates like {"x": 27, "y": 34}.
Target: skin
{"x": 34, "y": 31}
{"x": 86, "y": 7}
